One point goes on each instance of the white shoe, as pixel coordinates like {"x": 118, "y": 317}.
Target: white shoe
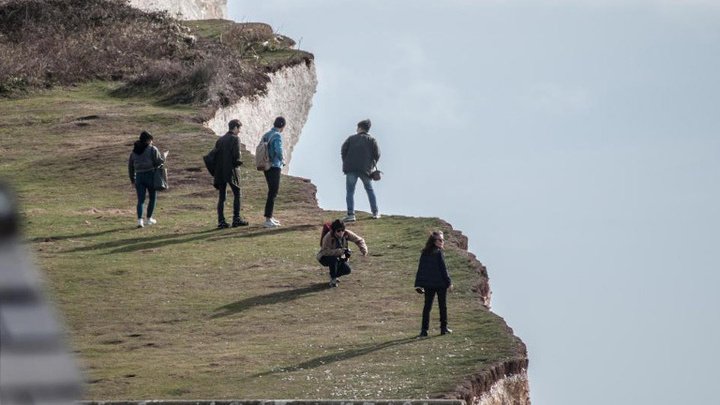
{"x": 275, "y": 221}
{"x": 349, "y": 218}
{"x": 140, "y": 223}
{"x": 334, "y": 282}
{"x": 376, "y": 215}
{"x": 270, "y": 224}
{"x": 151, "y": 221}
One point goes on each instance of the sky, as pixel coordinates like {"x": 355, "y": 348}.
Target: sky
{"x": 574, "y": 142}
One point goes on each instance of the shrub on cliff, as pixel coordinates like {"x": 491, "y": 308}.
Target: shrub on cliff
{"x": 65, "y": 42}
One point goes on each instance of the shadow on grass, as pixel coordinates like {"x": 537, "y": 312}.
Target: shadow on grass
{"x": 52, "y": 238}
{"x": 273, "y": 298}
{"x": 147, "y": 242}
{"x": 158, "y": 241}
{"x": 339, "y": 356}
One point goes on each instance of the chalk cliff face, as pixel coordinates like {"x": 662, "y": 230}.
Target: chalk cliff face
{"x": 289, "y": 93}
{"x": 509, "y": 390}
{"x": 187, "y": 9}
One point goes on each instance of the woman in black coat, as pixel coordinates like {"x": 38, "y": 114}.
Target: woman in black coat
{"x": 433, "y": 278}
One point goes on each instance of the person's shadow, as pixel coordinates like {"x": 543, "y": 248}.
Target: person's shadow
{"x": 267, "y": 299}
{"x": 52, "y": 238}
{"x": 339, "y": 356}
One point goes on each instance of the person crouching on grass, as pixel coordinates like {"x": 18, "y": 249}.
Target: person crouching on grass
{"x": 334, "y": 252}
{"x": 432, "y": 278}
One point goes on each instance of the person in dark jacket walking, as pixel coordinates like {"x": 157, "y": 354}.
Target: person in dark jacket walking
{"x": 272, "y": 175}
{"x": 143, "y": 161}
{"x": 334, "y": 252}
{"x": 360, "y": 153}
{"x": 227, "y": 163}
{"x": 432, "y": 278}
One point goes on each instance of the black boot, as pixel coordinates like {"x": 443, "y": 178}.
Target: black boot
{"x": 239, "y": 222}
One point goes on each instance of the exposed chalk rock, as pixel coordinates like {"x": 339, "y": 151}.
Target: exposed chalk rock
{"x": 187, "y": 9}
{"x": 289, "y": 93}
{"x": 509, "y": 390}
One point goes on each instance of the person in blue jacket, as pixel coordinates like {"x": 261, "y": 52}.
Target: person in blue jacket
{"x": 432, "y": 278}
{"x": 272, "y": 175}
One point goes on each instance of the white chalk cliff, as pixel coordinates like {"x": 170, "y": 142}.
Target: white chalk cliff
{"x": 289, "y": 94}
{"x": 186, "y": 9}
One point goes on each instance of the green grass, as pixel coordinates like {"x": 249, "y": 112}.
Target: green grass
{"x": 180, "y": 310}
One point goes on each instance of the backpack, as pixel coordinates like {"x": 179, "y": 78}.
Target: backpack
{"x": 262, "y": 154}
{"x": 209, "y": 160}
{"x": 327, "y": 227}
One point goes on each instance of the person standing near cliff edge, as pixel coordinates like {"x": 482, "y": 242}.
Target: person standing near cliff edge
{"x": 272, "y": 175}
{"x": 432, "y": 279}
{"x": 227, "y": 162}
{"x": 360, "y": 153}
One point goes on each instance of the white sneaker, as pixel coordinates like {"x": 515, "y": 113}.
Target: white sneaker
{"x": 270, "y": 224}
{"x": 349, "y": 218}
{"x": 334, "y": 282}
{"x": 275, "y": 221}
{"x": 151, "y": 221}
{"x": 140, "y": 223}
{"x": 376, "y": 215}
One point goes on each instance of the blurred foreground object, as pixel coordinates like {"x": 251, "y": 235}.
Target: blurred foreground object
{"x": 35, "y": 366}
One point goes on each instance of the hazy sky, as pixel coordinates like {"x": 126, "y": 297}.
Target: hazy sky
{"x": 576, "y": 143}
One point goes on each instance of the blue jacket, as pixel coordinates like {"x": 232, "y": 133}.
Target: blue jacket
{"x": 275, "y": 150}
{"x": 432, "y": 272}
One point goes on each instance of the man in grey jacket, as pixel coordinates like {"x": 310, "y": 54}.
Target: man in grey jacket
{"x": 360, "y": 154}
{"x": 227, "y": 163}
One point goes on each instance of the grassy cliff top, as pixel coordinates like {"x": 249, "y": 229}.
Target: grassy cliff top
{"x": 181, "y": 310}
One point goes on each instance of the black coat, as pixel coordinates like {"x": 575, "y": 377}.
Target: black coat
{"x": 360, "y": 153}
{"x": 227, "y": 160}
{"x": 432, "y": 272}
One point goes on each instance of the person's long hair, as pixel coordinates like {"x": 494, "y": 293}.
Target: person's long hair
{"x": 430, "y": 244}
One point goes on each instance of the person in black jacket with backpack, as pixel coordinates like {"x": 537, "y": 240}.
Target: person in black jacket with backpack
{"x": 432, "y": 278}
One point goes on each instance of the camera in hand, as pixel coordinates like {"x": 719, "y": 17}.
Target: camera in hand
{"x": 346, "y": 255}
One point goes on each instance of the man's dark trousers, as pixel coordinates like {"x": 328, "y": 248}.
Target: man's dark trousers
{"x": 221, "y": 202}
{"x": 272, "y": 177}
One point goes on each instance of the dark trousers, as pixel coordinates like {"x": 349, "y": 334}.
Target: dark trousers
{"x": 144, "y": 183}
{"x": 272, "y": 177}
{"x": 221, "y": 202}
{"x": 337, "y": 267}
{"x": 442, "y": 303}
